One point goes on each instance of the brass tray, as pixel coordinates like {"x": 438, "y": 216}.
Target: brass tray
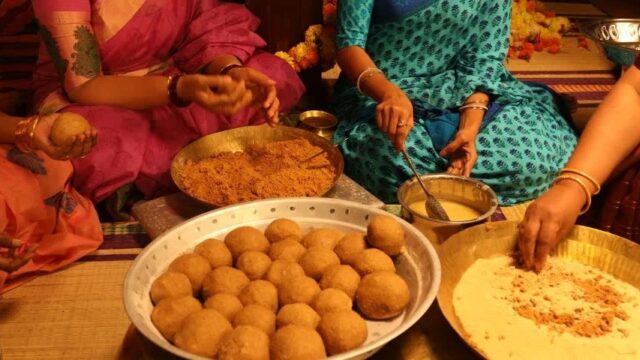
{"x": 239, "y": 139}
{"x": 607, "y": 252}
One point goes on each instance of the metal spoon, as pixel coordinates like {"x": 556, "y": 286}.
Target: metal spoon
{"x": 322, "y": 151}
{"x": 432, "y": 205}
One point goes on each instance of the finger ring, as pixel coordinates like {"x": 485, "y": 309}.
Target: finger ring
{"x": 401, "y": 123}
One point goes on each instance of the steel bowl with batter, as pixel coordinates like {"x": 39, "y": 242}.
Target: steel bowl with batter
{"x": 459, "y": 189}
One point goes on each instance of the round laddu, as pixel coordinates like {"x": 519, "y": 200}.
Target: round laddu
{"x": 302, "y": 289}
{"x": 281, "y": 229}
{"x": 170, "y": 284}
{"x": 350, "y": 246}
{"x": 342, "y": 331}
{"x": 332, "y": 300}
{"x": 254, "y": 264}
{"x": 225, "y": 280}
{"x": 384, "y": 232}
{"x": 260, "y": 292}
{"x": 66, "y": 127}
{"x": 202, "y": 332}
{"x": 316, "y": 260}
{"x": 194, "y": 266}
{"x": 216, "y": 252}
{"x": 373, "y": 260}
{"x": 169, "y": 313}
{"x": 382, "y": 295}
{"x": 246, "y": 238}
{"x": 297, "y": 314}
{"x": 294, "y": 342}
{"x": 256, "y": 316}
{"x": 342, "y": 277}
{"x": 244, "y": 343}
{"x": 281, "y": 270}
{"x": 226, "y": 304}
{"x": 287, "y": 249}
{"x": 327, "y": 238}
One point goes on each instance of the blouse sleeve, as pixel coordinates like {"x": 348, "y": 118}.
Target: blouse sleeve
{"x": 481, "y": 63}
{"x": 66, "y": 32}
{"x": 354, "y": 18}
{"x": 218, "y": 29}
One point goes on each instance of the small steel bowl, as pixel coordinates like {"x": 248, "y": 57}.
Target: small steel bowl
{"x": 619, "y": 38}
{"x": 459, "y": 189}
{"x": 319, "y": 122}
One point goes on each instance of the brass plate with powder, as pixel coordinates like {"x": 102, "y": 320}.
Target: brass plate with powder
{"x": 485, "y": 248}
{"x": 232, "y": 144}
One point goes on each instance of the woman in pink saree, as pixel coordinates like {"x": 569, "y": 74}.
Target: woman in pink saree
{"x": 120, "y": 64}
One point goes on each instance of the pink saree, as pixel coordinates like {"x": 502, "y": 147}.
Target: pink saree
{"x": 142, "y": 37}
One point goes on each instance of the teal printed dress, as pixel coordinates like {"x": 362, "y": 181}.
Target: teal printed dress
{"x": 439, "y": 52}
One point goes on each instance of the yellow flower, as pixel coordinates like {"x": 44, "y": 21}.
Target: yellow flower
{"x": 312, "y": 34}
{"x": 299, "y": 51}
{"x": 286, "y": 57}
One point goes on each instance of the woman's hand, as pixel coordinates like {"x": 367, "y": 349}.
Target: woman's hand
{"x": 394, "y": 117}
{"x": 215, "y": 93}
{"x": 461, "y": 152}
{"x": 80, "y": 146}
{"x": 11, "y": 262}
{"x": 547, "y": 221}
{"x": 263, "y": 91}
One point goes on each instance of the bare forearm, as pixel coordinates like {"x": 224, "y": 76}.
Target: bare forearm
{"x": 613, "y": 132}
{"x": 7, "y": 128}
{"x": 131, "y": 92}
{"x": 353, "y": 61}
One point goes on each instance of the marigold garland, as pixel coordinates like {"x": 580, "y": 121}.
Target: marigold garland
{"x": 319, "y": 43}
{"x": 533, "y": 29}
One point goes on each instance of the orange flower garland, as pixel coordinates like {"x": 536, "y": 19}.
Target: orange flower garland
{"x": 319, "y": 44}
{"x": 535, "y": 29}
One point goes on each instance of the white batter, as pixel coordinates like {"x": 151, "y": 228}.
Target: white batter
{"x": 569, "y": 311}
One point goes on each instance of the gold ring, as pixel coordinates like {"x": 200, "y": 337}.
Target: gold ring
{"x": 402, "y": 124}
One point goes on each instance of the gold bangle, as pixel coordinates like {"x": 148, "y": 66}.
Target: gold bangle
{"x": 584, "y": 175}
{"x": 584, "y": 187}
{"x": 36, "y": 120}
{"x": 225, "y": 69}
{"x": 365, "y": 75}
{"x": 471, "y": 102}
{"x": 23, "y": 135}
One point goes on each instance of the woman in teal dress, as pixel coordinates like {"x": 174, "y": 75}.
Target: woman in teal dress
{"x": 431, "y": 78}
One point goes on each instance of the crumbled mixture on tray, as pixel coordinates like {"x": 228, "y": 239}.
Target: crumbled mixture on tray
{"x": 263, "y": 171}
{"x": 584, "y": 305}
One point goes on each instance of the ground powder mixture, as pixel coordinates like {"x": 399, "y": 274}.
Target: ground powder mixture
{"x": 568, "y": 311}
{"x": 263, "y": 171}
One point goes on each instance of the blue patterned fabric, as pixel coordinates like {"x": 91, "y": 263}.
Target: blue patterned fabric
{"x": 392, "y": 10}
{"x": 439, "y": 55}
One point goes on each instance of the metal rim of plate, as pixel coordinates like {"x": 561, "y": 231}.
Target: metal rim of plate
{"x": 608, "y": 252}
{"x": 239, "y": 139}
{"x": 600, "y": 31}
{"x": 419, "y": 264}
